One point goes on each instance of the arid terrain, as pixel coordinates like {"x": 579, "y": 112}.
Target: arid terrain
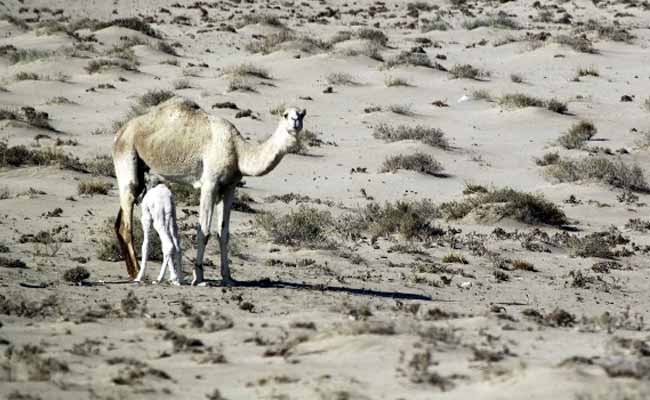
{"x": 466, "y": 215}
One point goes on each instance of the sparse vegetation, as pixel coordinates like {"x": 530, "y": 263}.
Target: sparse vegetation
{"x": 108, "y": 249}
{"x": 500, "y": 21}
{"x": 587, "y": 71}
{"x": 507, "y": 203}
{"x": 431, "y": 136}
{"x": 76, "y": 275}
{"x": 578, "y": 43}
{"x": 392, "y": 81}
{"x": 341, "y": 79}
{"x": 99, "y": 65}
{"x": 414, "y": 59}
{"x": 240, "y": 84}
{"x": 306, "y": 226}
{"x": 94, "y": 186}
{"x": 182, "y": 83}
{"x": 600, "y": 169}
{"x": 481, "y": 94}
{"x": 467, "y": 71}
{"x": 247, "y": 69}
{"x": 401, "y": 109}
{"x": 520, "y": 100}
{"x": 549, "y": 158}
{"x": 419, "y": 162}
{"x": 578, "y": 134}
{"x": 454, "y": 258}
{"x": 27, "y": 76}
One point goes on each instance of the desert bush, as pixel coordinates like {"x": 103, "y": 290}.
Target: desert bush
{"x": 520, "y": 100}
{"x": 431, "y": 136}
{"x": 411, "y": 58}
{"x": 247, "y": 69}
{"x": 109, "y": 250}
{"x": 401, "y": 109}
{"x": 305, "y": 226}
{"x": 467, "y": 71}
{"x": 509, "y": 203}
{"x": 101, "y": 165}
{"x": 419, "y": 162}
{"x": 182, "y": 83}
{"x": 96, "y": 66}
{"x": 27, "y": 76}
{"x": 421, "y": 6}
{"x": 94, "y": 186}
{"x": 373, "y": 35}
{"x": 549, "y": 158}
{"x": 391, "y": 81}
{"x": 454, "y": 258}
{"x": 76, "y": 275}
{"x": 516, "y": 78}
{"x": 261, "y": 18}
{"x": 611, "y": 32}
{"x": 369, "y": 49}
{"x": 482, "y": 94}
{"x": 16, "y": 56}
{"x": 556, "y": 106}
{"x": 578, "y": 43}
{"x": 137, "y": 24}
{"x": 17, "y": 156}
{"x": 166, "y": 48}
{"x": 578, "y": 134}
{"x": 28, "y": 363}
{"x": 437, "y": 24}
{"x": 409, "y": 219}
{"x": 240, "y": 84}
{"x": 600, "y": 169}
{"x": 270, "y": 43}
{"x": 501, "y": 21}
{"x": 587, "y": 71}
{"x": 341, "y": 78}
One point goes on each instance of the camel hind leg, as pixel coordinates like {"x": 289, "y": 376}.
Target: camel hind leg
{"x": 130, "y": 178}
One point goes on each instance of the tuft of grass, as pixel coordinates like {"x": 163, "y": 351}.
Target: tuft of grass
{"x": 278, "y": 109}
{"x": 94, "y": 186}
{"x": 419, "y": 162}
{"x": 601, "y": 169}
{"x": 306, "y": 226}
{"x": 578, "y": 43}
{"x": 557, "y": 106}
{"x": 523, "y": 265}
{"x": 516, "y": 78}
{"x": 646, "y": 104}
{"x": 247, "y": 69}
{"x": 240, "y": 84}
{"x": 181, "y": 84}
{"x": 27, "y": 76}
{"x": 549, "y": 158}
{"x": 431, "y": 136}
{"x": 523, "y": 207}
{"x": 391, "y": 81}
{"x": 166, "y": 48}
{"x": 263, "y": 19}
{"x": 482, "y": 94}
{"x": 467, "y": 71}
{"x": 401, "y": 109}
{"x": 341, "y": 78}
{"x": 16, "y": 56}
{"x": 520, "y": 100}
{"x": 578, "y": 134}
{"x": 587, "y": 71}
{"x": 76, "y": 275}
{"x": 413, "y": 59}
{"x": 101, "y": 165}
{"x": 137, "y": 24}
{"x": 454, "y": 258}
{"x": 437, "y": 24}
{"x": 500, "y": 21}
{"x": 96, "y": 66}
{"x": 372, "y": 35}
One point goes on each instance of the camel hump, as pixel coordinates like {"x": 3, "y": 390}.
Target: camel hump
{"x": 181, "y": 104}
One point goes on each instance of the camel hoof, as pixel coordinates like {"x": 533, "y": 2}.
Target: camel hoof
{"x": 228, "y": 282}
{"x": 175, "y": 283}
{"x": 137, "y": 282}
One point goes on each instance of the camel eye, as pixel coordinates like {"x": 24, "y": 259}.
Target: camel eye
{"x": 286, "y": 115}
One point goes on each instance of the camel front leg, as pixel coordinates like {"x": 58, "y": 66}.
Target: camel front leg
{"x": 223, "y": 213}
{"x": 206, "y": 208}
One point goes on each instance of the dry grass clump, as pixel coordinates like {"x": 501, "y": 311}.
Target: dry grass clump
{"x": 516, "y": 78}
{"x": 601, "y": 169}
{"x": 28, "y": 115}
{"x": 401, "y": 109}
{"x": 28, "y": 363}
{"x": 182, "y": 83}
{"x": 19, "y": 22}
{"x": 578, "y": 134}
{"x": 413, "y": 59}
{"x": 610, "y": 32}
{"x": 587, "y": 71}
{"x": 101, "y": 165}
{"x": 454, "y": 258}
{"x": 500, "y": 21}
{"x": 76, "y": 275}
{"x": 549, "y": 158}
{"x": 431, "y": 136}
{"x": 247, "y": 69}
{"x": 392, "y": 81}
{"x": 520, "y": 100}
{"x": 27, "y": 76}
{"x": 108, "y": 249}
{"x": 342, "y": 79}
{"x": 240, "y": 84}
{"x": 578, "y": 43}
{"x": 166, "y": 48}
{"x": 646, "y": 104}
{"x": 306, "y": 226}
{"x": 96, "y": 66}
{"x": 16, "y": 56}
{"x": 437, "y": 24}
{"x": 263, "y": 19}
{"x": 409, "y": 219}
{"x": 16, "y": 156}
{"x": 275, "y": 41}
{"x": 467, "y": 71}
{"x": 508, "y": 203}
{"x": 137, "y": 24}
{"x": 482, "y": 94}
{"x": 419, "y": 162}
{"x": 372, "y": 35}
{"x": 94, "y": 186}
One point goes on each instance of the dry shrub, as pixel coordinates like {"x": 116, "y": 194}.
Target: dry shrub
{"x": 419, "y": 162}
{"x": 306, "y": 226}
{"x": 614, "y": 173}
{"x": 431, "y": 136}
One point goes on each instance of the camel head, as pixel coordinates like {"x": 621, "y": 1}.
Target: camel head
{"x": 292, "y": 120}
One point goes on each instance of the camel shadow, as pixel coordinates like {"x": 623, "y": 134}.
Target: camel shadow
{"x": 268, "y": 283}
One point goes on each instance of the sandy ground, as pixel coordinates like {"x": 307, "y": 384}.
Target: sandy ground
{"x": 362, "y": 320}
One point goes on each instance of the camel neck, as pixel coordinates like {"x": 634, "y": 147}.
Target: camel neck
{"x": 260, "y": 159}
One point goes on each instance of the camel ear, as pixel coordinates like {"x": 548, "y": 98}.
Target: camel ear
{"x": 303, "y": 113}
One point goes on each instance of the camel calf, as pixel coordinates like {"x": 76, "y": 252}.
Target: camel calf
{"x": 158, "y": 209}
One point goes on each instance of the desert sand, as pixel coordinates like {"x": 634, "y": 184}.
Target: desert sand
{"x": 461, "y": 290}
